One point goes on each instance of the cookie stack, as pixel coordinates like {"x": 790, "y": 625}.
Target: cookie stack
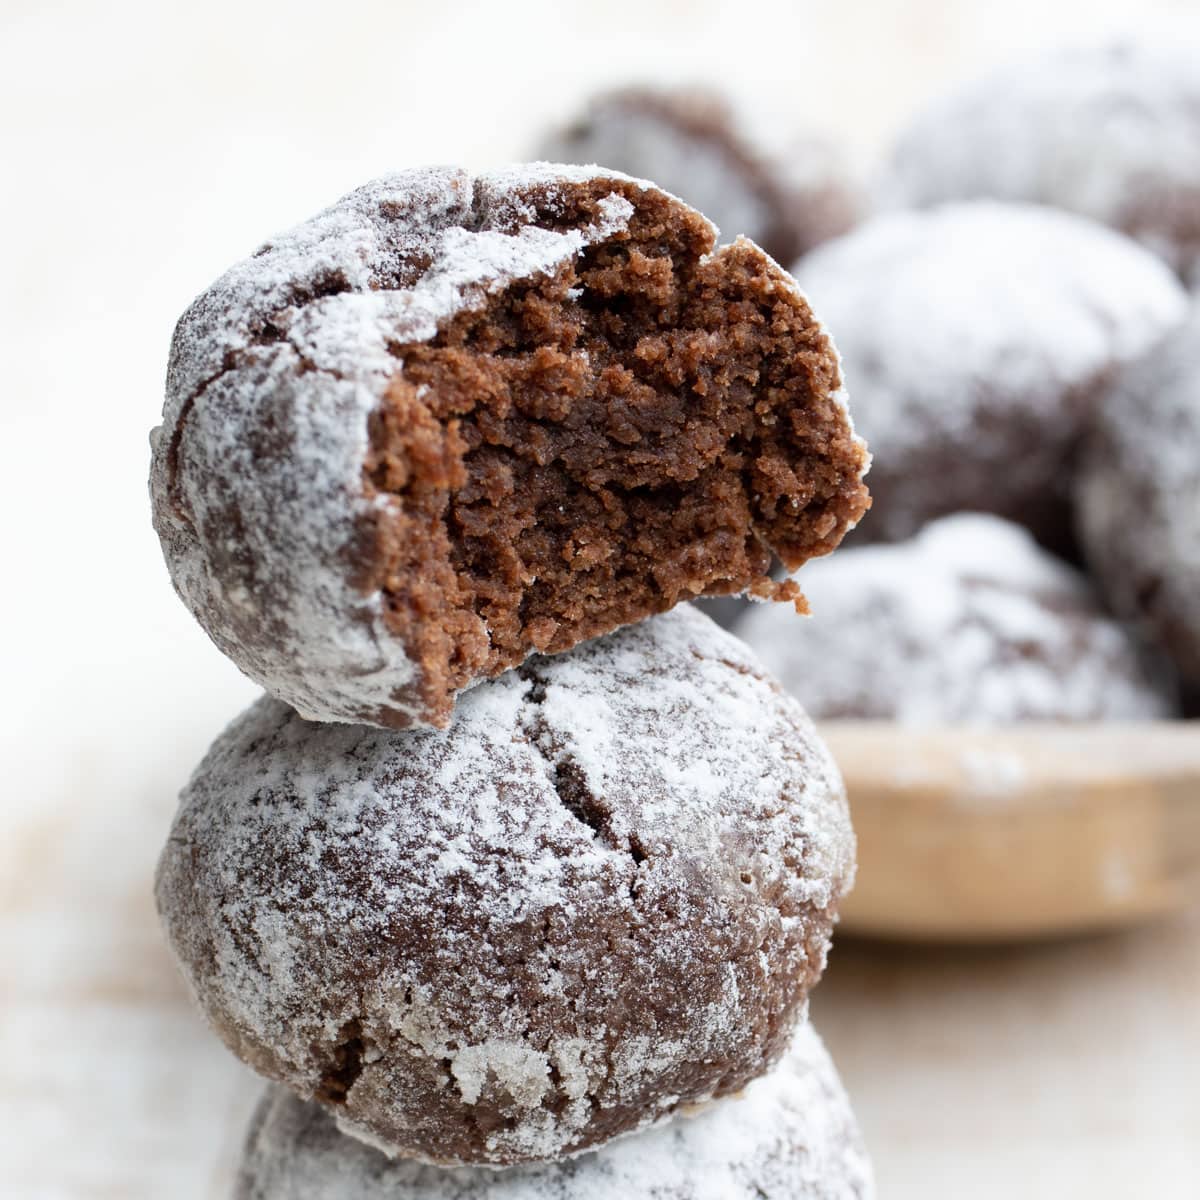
{"x": 512, "y": 860}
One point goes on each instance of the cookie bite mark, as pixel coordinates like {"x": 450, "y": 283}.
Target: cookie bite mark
{"x": 645, "y": 423}
{"x": 455, "y": 419}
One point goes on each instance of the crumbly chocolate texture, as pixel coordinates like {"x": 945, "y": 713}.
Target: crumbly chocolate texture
{"x": 599, "y": 898}
{"x": 452, "y": 421}
{"x": 977, "y": 339}
{"x": 787, "y": 195}
{"x": 1138, "y": 497}
{"x": 970, "y": 623}
{"x": 1111, "y": 132}
{"x": 792, "y": 1136}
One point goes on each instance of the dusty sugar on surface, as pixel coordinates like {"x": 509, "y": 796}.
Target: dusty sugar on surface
{"x": 1111, "y": 132}
{"x": 969, "y": 622}
{"x": 467, "y": 913}
{"x": 791, "y": 1136}
{"x": 929, "y": 309}
{"x": 974, "y": 339}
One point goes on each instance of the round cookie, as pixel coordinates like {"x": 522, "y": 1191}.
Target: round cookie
{"x": 787, "y": 197}
{"x": 976, "y": 338}
{"x": 971, "y": 622}
{"x": 600, "y": 897}
{"x": 453, "y": 420}
{"x": 1139, "y": 497}
{"x": 791, "y": 1136}
{"x": 1110, "y": 132}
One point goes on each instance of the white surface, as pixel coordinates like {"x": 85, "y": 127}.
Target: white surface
{"x": 1065, "y": 1070}
{"x": 142, "y": 150}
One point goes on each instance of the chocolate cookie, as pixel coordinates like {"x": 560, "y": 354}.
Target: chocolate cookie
{"x": 792, "y": 1136}
{"x": 600, "y": 897}
{"x": 1139, "y": 497}
{"x": 786, "y": 194}
{"x": 451, "y": 421}
{"x": 970, "y": 622}
{"x": 1110, "y": 132}
{"x": 976, "y": 339}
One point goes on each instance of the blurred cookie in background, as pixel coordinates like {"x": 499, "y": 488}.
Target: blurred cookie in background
{"x": 1111, "y": 132}
{"x": 1139, "y": 497}
{"x": 970, "y": 622}
{"x": 785, "y": 189}
{"x": 975, "y": 340}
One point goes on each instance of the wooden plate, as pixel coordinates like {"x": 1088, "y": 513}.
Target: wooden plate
{"x": 1026, "y": 831}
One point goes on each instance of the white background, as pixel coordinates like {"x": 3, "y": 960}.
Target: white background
{"x": 143, "y": 148}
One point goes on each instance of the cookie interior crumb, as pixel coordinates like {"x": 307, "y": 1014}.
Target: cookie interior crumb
{"x": 645, "y": 424}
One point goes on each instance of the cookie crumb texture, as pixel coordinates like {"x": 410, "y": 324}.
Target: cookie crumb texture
{"x": 453, "y": 421}
{"x": 792, "y": 1136}
{"x": 970, "y": 622}
{"x": 599, "y": 898}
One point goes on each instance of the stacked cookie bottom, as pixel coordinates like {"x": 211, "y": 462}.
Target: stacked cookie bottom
{"x": 594, "y": 906}
{"x": 792, "y": 1134}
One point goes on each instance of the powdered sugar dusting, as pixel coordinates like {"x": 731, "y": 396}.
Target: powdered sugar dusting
{"x": 1139, "y": 496}
{"x": 645, "y": 815}
{"x": 792, "y": 1136}
{"x": 969, "y": 622}
{"x": 274, "y": 372}
{"x": 975, "y": 334}
{"x": 1111, "y": 132}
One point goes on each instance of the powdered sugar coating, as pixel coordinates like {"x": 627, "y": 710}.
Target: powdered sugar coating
{"x": 791, "y": 1136}
{"x": 601, "y": 895}
{"x": 757, "y": 178}
{"x": 969, "y": 622}
{"x": 1111, "y": 132}
{"x": 1139, "y": 496}
{"x": 975, "y": 338}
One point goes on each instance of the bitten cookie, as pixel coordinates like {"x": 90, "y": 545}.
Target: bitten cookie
{"x": 454, "y": 420}
{"x": 1110, "y": 132}
{"x": 599, "y": 898}
{"x": 786, "y": 194}
{"x": 976, "y": 340}
{"x": 792, "y": 1136}
{"x": 970, "y": 622}
{"x": 1139, "y": 497}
